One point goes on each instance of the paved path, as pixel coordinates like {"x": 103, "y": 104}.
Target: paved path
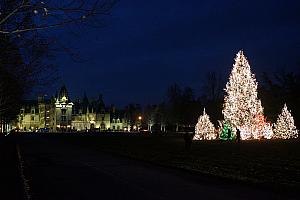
{"x": 55, "y": 170}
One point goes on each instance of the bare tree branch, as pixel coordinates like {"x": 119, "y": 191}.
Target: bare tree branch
{"x": 50, "y": 15}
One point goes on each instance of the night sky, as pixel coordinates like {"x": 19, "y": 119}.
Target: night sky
{"x": 148, "y": 45}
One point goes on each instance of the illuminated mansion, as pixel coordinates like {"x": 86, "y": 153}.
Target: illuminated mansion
{"x": 59, "y": 114}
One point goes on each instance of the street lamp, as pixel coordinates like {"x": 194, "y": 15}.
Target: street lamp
{"x": 140, "y": 122}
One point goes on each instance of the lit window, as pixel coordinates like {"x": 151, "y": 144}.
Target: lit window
{"x": 63, "y": 118}
{"x": 63, "y": 111}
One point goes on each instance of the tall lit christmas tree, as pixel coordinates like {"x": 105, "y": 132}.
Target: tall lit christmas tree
{"x": 204, "y": 129}
{"x": 284, "y": 127}
{"x": 241, "y": 105}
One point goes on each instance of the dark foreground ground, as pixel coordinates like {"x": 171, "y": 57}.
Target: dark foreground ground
{"x": 268, "y": 162}
{"x": 10, "y": 183}
{"x": 83, "y": 167}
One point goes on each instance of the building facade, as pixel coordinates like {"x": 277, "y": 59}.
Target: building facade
{"x": 60, "y": 114}
{"x": 29, "y": 117}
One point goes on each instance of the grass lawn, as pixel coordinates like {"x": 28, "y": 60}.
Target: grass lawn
{"x": 269, "y": 161}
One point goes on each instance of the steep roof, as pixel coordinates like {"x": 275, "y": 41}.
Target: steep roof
{"x": 63, "y": 93}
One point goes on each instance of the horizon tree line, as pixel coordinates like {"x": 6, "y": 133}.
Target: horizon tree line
{"x": 181, "y": 109}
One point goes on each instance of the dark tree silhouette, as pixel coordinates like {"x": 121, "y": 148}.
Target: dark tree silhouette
{"x": 212, "y": 98}
{"x": 182, "y": 108}
{"x": 282, "y": 87}
{"x": 50, "y": 14}
{"x": 25, "y": 49}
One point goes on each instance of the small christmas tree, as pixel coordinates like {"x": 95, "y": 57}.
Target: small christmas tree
{"x": 263, "y": 129}
{"x": 284, "y": 127}
{"x": 267, "y": 131}
{"x": 204, "y": 129}
{"x": 226, "y": 132}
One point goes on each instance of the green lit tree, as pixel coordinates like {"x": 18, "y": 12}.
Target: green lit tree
{"x": 226, "y": 132}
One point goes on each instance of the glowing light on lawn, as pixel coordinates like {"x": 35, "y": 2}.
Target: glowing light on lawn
{"x": 284, "y": 127}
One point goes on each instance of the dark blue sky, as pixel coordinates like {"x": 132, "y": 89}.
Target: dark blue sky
{"x": 148, "y": 45}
